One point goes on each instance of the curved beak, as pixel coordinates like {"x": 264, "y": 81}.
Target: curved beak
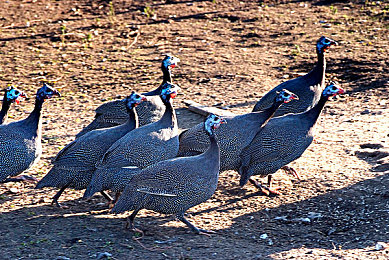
{"x": 21, "y": 97}
{"x": 294, "y": 96}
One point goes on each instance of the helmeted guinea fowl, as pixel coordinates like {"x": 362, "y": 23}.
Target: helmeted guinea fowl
{"x": 308, "y": 87}
{"x": 11, "y": 95}
{"x": 281, "y": 141}
{"x": 20, "y": 142}
{"x": 142, "y": 147}
{"x": 173, "y": 186}
{"x": 236, "y": 135}
{"x": 75, "y": 164}
{"x": 114, "y": 113}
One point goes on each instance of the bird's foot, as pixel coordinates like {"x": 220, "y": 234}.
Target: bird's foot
{"x": 200, "y": 231}
{"x": 291, "y": 171}
{"x": 205, "y": 232}
{"x": 138, "y": 232}
{"x": 20, "y": 178}
{"x": 56, "y": 203}
{"x": 270, "y": 191}
{"x": 112, "y": 203}
{"x": 130, "y": 225}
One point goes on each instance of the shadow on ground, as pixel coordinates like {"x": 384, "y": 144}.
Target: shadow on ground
{"x": 354, "y": 217}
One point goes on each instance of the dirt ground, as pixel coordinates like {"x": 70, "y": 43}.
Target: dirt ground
{"x": 232, "y": 52}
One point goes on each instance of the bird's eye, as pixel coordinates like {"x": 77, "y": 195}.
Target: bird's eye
{"x": 16, "y": 92}
{"x": 333, "y": 88}
{"x": 326, "y": 41}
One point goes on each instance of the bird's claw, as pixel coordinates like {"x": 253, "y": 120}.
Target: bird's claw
{"x": 270, "y": 190}
{"x": 291, "y": 171}
{"x": 204, "y": 232}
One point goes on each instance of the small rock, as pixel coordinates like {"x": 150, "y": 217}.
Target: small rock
{"x": 380, "y": 246}
{"x": 62, "y": 258}
{"x": 103, "y": 255}
{"x": 303, "y": 220}
{"x": 284, "y": 218}
{"x": 314, "y": 215}
{"x": 13, "y": 190}
{"x": 264, "y": 236}
{"x": 365, "y": 112}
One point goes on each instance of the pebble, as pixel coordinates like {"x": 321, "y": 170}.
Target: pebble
{"x": 13, "y": 190}
{"x": 314, "y": 215}
{"x": 103, "y": 255}
{"x": 380, "y": 246}
{"x": 264, "y": 236}
{"x": 62, "y": 258}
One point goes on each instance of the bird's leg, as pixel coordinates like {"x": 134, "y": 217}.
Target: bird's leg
{"x": 21, "y": 178}
{"x": 106, "y": 196}
{"x": 113, "y": 202}
{"x": 193, "y": 228}
{"x": 255, "y": 183}
{"x": 56, "y": 196}
{"x": 130, "y": 222}
{"x": 267, "y": 190}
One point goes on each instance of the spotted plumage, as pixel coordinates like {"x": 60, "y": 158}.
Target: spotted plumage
{"x": 142, "y": 147}
{"x": 11, "y": 95}
{"x": 20, "y": 142}
{"x": 308, "y": 87}
{"x": 237, "y": 134}
{"x": 75, "y": 164}
{"x": 114, "y": 113}
{"x": 282, "y": 140}
{"x": 173, "y": 186}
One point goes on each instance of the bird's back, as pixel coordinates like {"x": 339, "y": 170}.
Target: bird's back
{"x": 307, "y": 88}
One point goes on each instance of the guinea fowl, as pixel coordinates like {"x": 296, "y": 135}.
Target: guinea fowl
{"x": 308, "y": 87}
{"x": 114, "y": 113}
{"x": 11, "y": 95}
{"x": 20, "y": 142}
{"x": 281, "y": 141}
{"x": 175, "y": 185}
{"x": 142, "y": 147}
{"x": 75, "y": 164}
{"x": 233, "y": 137}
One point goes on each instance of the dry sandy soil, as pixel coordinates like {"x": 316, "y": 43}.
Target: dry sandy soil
{"x": 232, "y": 52}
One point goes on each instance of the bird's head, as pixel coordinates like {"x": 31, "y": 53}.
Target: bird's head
{"x": 213, "y": 122}
{"x": 324, "y": 43}
{"x": 134, "y": 99}
{"x": 332, "y": 89}
{"x": 169, "y": 90}
{"x": 13, "y": 94}
{"x": 170, "y": 61}
{"x": 46, "y": 92}
{"x": 286, "y": 96}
